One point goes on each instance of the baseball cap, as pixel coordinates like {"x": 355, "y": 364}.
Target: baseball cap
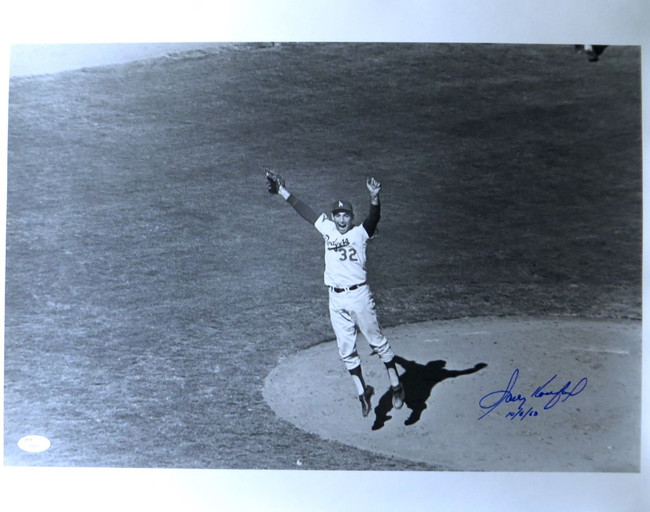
{"x": 342, "y": 206}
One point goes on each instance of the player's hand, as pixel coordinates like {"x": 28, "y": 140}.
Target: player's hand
{"x": 274, "y": 181}
{"x": 374, "y": 187}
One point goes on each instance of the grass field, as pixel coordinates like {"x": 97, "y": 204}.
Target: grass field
{"x": 152, "y": 282}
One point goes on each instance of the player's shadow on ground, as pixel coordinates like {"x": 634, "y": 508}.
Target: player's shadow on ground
{"x": 418, "y": 381}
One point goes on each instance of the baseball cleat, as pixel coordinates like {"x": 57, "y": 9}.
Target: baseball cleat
{"x": 366, "y": 406}
{"x": 398, "y": 396}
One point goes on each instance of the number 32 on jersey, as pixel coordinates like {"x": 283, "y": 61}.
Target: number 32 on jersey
{"x": 347, "y": 253}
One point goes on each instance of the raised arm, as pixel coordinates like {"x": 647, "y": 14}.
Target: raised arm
{"x": 275, "y": 184}
{"x": 305, "y": 211}
{"x": 370, "y": 223}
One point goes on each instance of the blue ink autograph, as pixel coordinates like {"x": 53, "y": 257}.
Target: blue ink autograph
{"x": 494, "y": 399}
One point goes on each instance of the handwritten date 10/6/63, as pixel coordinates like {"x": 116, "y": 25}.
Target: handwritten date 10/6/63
{"x": 549, "y": 392}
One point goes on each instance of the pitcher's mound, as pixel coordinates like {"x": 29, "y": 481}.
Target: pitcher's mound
{"x": 483, "y": 394}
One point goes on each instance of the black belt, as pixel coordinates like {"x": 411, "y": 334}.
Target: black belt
{"x": 347, "y": 289}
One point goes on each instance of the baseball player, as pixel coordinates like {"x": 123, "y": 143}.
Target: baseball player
{"x": 593, "y": 51}
{"x": 351, "y": 304}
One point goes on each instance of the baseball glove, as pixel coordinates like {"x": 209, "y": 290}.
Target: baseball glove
{"x": 273, "y": 181}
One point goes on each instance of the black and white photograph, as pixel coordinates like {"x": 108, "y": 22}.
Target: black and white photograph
{"x": 364, "y": 259}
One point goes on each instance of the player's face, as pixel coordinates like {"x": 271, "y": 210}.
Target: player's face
{"x": 343, "y": 221}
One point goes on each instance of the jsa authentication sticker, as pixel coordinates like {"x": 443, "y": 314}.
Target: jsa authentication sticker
{"x": 34, "y": 444}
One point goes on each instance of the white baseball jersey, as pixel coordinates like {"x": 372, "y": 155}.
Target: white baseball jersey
{"x": 345, "y": 254}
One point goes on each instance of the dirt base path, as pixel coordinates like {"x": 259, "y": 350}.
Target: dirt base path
{"x": 461, "y": 415}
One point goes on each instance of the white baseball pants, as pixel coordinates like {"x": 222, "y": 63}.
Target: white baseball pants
{"x": 352, "y": 310}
